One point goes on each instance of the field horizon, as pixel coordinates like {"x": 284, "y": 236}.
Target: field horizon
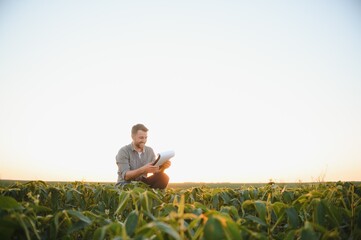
{"x": 7, "y": 182}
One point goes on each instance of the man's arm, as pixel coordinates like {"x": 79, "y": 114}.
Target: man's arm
{"x": 133, "y": 174}
{"x": 164, "y": 166}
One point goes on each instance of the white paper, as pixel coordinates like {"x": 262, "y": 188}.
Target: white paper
{"x": 164, "y": 156}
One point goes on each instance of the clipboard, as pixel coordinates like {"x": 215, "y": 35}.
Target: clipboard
{"x": 163, "y": 157}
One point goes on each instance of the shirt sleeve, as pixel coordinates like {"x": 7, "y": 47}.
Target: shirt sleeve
{"x": 122, "y": 160}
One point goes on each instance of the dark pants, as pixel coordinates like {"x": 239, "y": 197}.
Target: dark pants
{"x": 157, "y": 180}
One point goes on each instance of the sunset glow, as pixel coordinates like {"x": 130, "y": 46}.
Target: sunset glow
{"x": 242, "y": 92}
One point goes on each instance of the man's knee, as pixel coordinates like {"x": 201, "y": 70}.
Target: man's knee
{"x": 164, "y": 177}
{"x": 162, "y": 180}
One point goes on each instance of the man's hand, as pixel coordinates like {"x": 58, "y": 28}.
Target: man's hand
{"x": 149, "y": 168}
{"x": 164, "y": 166}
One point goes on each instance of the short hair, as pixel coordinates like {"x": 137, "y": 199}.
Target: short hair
{"x": 137, "y": 127}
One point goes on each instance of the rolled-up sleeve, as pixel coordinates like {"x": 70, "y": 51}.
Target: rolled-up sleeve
{"x": 122, "y": 160}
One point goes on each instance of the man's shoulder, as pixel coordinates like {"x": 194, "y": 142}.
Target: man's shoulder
{"x": 127, "y": 147}
{"x": 124, "y": 151}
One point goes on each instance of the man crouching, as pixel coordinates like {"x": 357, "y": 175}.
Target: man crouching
{"x": 135, "y": 161}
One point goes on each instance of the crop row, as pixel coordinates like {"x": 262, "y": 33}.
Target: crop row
{"x": 37, "y": 210}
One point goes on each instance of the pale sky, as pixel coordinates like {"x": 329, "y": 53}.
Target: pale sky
{"x": 242, "y": 91}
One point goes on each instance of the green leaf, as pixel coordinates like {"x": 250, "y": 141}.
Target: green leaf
{"x": 99, "y": 234}
{"x": 116, "y": 228}
{"x": 110, "y": 230}
{"x": 7, "y": 228}
{"x": 307, "y": 232}
{"x": 278, "y": 208}
{"x": 319, "y": 213}
{"x": 214, "y": 229}
{"x": 261, "y": 209}
{"x": 247, "y": 203}
{"x": 123, "y": 200}
{"x": 145, "y": 203}
{"x": 232, "y": 230}
{"x": 293, "y": 218}
{"x": 202, "y": 207}
{"x": 333, "y": 213}
{"x": 256, "y": 220}
{"x": 162, "y": 227}
{"x": 167, "y": 229}
{"x": 288, "y": 197}
{"x": 80, "y": 216}
{"x": 181, "y": 205}
{"x": 22, "y": 221}
{"x": 155, "y": 197}
{"x": 9, "y": 203}
{"x": 76, "y": 227}
{"x": 231, "y": 211}
{"x": 131, "y": 223}
{"x": 40, "y": 209}
{"x": 225, "y": 197}
{"x": 358, "y": 216}
{"x": 215, "y": 201}
{"x": 291, "y": 235}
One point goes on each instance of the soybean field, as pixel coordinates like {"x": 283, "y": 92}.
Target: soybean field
{"x": 80, "y": 210}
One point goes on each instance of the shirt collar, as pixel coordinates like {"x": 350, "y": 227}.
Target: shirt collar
{"x": 133, "y": 149}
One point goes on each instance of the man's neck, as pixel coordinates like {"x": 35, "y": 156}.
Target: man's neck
{"x": 137, "y": 148}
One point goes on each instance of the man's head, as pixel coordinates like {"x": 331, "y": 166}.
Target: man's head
{"x": 139, "y": 136}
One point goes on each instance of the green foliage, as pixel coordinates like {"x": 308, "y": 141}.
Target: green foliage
{"x": 38, "y": 210}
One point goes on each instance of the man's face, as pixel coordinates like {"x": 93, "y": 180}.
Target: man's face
{"x": 140, "y": 139}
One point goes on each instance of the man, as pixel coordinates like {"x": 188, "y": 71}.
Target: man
{"x": 135, "y": 161}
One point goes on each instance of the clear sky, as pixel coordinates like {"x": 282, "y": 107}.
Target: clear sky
{"x": 242, "y": 91}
